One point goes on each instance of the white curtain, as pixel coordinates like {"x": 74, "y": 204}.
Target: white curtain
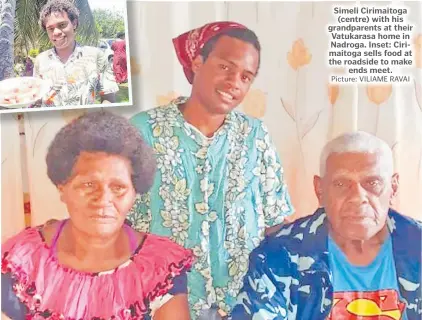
{"x": 291, "y": 94}
{"x": 12, "y": 197}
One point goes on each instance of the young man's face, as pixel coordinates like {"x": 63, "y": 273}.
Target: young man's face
{"x": 223, "y": 80}
{"x": 60, "y": 30}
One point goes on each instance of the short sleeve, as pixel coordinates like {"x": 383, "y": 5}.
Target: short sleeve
{"x": 140, "y": 214}
{"x": 180, "y": 284}
{"x": 107, "y": 80}
{"x": 11, "y": 306}
{"x": 141, "y": 121}
{"x": 179, "y": 287}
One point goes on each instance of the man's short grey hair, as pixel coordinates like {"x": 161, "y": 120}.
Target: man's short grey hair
{"x": 358, "y": 142}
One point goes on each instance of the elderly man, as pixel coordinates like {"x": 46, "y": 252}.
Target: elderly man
{"x": 220, "y": 181}
{"x": 354, "y": 258}
{"x": 78, "y": 73}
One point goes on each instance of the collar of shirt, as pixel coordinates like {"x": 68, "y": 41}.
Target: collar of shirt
{"x": 76, "y": 54}
{"x": 407, "y": 257}
{"x": 197, "y": 135}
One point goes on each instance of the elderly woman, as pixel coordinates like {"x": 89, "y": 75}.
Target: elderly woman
{"x": 93, "y": 265}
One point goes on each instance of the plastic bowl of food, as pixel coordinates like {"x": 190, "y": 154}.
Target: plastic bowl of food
{"x": 22, "y": 92}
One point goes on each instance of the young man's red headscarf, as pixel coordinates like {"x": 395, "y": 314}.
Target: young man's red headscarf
{"x": 188, "y": 45}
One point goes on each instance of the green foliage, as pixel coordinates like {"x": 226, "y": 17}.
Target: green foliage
{"x": 34, "y": 52}
{"x": 18, "y": 68}
{"x": 108, "y": 23}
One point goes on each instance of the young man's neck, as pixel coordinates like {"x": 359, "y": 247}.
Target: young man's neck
{"x": 198, "y": 116}
{"x": 65, "y": 53}
{"x": 361, "y": 252}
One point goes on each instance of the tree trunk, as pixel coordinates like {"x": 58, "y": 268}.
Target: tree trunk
{"x": 7, "y": 14}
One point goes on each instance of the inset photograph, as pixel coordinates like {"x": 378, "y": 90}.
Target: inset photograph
{"x": 67, "y": 54}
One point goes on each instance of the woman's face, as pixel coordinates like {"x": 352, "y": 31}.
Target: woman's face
{"x": 99, "y": 193}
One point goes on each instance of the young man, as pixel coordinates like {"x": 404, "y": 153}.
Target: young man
{"x": 354, "y": 258}
{"x": 220, "y": 181}
{"x": 78, "y": 73}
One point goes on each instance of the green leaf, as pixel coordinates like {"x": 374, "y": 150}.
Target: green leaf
{"x": 167, "y": 224}
{"x": 233, "y": 268}
{"x": 159, "y": 148}
{"x": 157, "y": 131}
{"x": 180, "y": 186}
{"x": 166, "y": 215}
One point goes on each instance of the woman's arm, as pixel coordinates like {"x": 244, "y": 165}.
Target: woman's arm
{"x": 177, "y": 308}
{"x": 174, "y": 305}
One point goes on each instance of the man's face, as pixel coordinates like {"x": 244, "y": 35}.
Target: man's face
{"x": 60, "y": 30}
{"x": 222, "y": 81}
{"x": 356, "y": 192}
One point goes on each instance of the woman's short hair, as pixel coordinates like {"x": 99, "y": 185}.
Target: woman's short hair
{"x": 101, "y": 131}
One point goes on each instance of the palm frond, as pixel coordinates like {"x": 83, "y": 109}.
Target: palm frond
{"x": 26, "y": 24}
{"x": 87, "y": 30}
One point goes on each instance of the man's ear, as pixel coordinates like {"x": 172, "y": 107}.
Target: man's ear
{"x": 395, "y": 187}
{"x": 75, "y": 24}
{"x": 197, "y": 63}
{"x": 318, "y": 189}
